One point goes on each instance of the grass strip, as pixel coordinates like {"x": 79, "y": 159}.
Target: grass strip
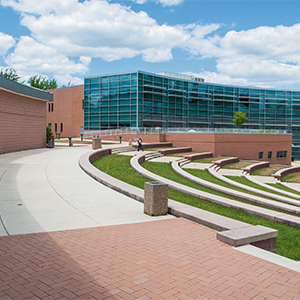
{"x": 284, "y": 188}
{"x": 208, "y": 177}
{"x": 288, "y": 241}
{"x": 245, "y": 181}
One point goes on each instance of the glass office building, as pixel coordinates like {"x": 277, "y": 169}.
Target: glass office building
{"x": 142, "y": 99}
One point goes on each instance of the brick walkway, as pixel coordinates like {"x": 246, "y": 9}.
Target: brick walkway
{"x": 168, "y": 259}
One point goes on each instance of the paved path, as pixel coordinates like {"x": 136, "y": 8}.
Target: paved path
{"x": 45, "y": 190}
{"x": 170, "y": 259}
{"x": 165, "y": 259}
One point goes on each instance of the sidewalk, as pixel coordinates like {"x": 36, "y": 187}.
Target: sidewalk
{"x": 44, "y": 192}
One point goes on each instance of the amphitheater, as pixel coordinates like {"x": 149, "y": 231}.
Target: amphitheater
{"x": 71, "y": 231}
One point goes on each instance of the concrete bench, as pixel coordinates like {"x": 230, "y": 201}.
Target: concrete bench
{"x": 193, "y": 157}
{"x": 240, "y": 206}
{"x": 260, "y": 236}
{"x": 237, "y": 194}
{"x": 175, "y": 150}
{"x": 226, "y": 161}
{"x": 250, "y": 169}
{"x": 283, "y": 172}
{"x": 153, "y": 145}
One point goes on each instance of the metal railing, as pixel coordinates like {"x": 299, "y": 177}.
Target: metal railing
{"x": 158, "y": 130}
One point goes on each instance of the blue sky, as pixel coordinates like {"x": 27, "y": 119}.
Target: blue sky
{"x": 248, "y": 43}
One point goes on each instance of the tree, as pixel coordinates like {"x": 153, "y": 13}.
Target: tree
{"x": 68, "y": 85}
{"x": 11, "y": 74}
{"x": 40, "y": 82}
{"x": 239, "y": 118}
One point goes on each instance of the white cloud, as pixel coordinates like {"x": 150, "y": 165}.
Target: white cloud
{"x": 6, "y": 42}
{"x": 31, "y": 57}
{"x": 66, "y": 35}
{"x": 264, "y": 56}
{"x": 100, "y": 29}
{"x": 163, "y": 2}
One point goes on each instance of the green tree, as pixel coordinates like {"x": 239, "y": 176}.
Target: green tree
{"x": 40, "y": 82}
{"x": 239, "y": 118}
{"x": 48, "y": 132}
{"x": 10, "y": 73}
{"x": 68, "y": 85}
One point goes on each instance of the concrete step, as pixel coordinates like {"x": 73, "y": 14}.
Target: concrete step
{"x": 122, "y": 149}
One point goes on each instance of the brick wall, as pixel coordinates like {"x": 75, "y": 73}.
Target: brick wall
{"x": 244, "y": 146}
{"x": 22, "y": 122}
{"x": 67, "y": 110}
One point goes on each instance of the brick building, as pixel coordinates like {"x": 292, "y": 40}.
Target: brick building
{"x": 65, "y": 112}
{"x": 22, "y": 116}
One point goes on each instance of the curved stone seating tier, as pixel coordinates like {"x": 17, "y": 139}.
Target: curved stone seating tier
{"x": 202, "y": 155}
{"x": 85, "y": 162}
{"x": 243, "y": 196}
{"x": 178, "y": 209}
{"x": 250, "y": 169}
{"x": 226, "y": 161}
{"x": 290, "y": 186}
{"x": 214, "y": 172}
{"x": 153, "y": 145}
{"x": 281, "y": 173}
{"x": 175, "y": 150}
{"x": 234, "y": 232}
{"x": 244, "y": 207}
{"x": 286, "y": 193}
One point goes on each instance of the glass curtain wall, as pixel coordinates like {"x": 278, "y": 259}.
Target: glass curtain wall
{"x": 142, "y": 99}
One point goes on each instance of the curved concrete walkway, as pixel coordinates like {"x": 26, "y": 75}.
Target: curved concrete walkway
{"x": 45, "y": 190}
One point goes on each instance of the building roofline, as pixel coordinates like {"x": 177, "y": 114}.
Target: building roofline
{"x": 24, "y": 90}
{"x": 192, "y": 81}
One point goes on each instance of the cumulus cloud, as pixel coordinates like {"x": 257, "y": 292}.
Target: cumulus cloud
{"x": 6, "y": 42}
{"x": 110, "y": 31}
{"x": 31, "y": 57}
{"x": 66, "y": 35}
{"x": 264, "y": 56}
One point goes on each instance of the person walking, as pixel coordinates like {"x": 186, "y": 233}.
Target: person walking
{"x": 140, "y": 146}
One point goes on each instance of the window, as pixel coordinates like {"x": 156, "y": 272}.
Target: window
{"x": 260, "y": 155}
{"x": 270, "y": 154}
{"x": 55, "y": 127}
{"x": 50, "y": 107}
{"x": 281, "y": 154}
{"x": 50, "y": 125}
{"x": 61, "y": 127}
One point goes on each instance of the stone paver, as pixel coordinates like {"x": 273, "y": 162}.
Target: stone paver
{"x": 169, "y": 259}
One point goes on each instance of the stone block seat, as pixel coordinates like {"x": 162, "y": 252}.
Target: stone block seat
{"x": 153, "y": 145}
{"x": 258, "y": 235}
{"x": 226, "y": 161}
{"x": 260, "y": 165}
{"x": 196, "y": 156}
{"x": 175, "y": 150}
{"x": 283, "y": 172}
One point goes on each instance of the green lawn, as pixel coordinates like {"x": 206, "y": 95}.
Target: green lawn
{"x": 288, "y": 241}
